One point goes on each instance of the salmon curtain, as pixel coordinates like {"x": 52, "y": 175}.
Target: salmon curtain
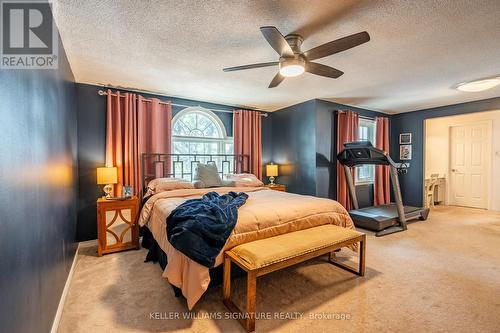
{"x": 134, "y": 126}
{"x": 347, "y": 131}
{"x": 247, "y": 135}
{"x": 382, "y": 191}
{"x": 155, "y": 129}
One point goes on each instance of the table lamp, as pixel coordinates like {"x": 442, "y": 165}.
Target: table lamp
{"x": 107, "y": 176}
{"x": 271, "y": 172}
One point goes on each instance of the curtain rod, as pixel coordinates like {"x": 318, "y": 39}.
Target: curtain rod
{"x": 360, "y": 116}
{"x": 103, "y": 93}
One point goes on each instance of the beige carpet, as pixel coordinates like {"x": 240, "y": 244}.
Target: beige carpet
{"x": 442, "y": 275}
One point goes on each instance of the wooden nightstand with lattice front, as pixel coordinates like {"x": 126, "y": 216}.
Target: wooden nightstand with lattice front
{"x": 117, "y": 228}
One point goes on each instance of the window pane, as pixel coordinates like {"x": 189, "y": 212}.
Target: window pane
{"x": 211, "y": 131}
{"x": 190, "y": 120}
{"x": 196, "y": 132}
{"x": 185, "y": 166}
{"x": 202, "y": 122}
{"x": 211, "y": 148}
{"x": 228, "y": 147}
{"x": 196, "y": 123}
{"x": 366, "y": 130}
{"x": 180, "y": 129}
{"x": 181, "y": 147}
{"x": 196, "y": 148}
{"x": 363, "y": 133}
{"x": 365, "y": 173}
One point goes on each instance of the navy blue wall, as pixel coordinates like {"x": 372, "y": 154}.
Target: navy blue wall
{"x": 304, "y": 145}
{"x": 38, "y": 176}
{"x": 91, "y": 155}
{"x": 92, "y": 150}
{"x": 413, "y": 122}
{"x": 294, "y": 147}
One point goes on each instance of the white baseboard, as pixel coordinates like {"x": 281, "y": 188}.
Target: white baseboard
{"x": 57, "y": 318}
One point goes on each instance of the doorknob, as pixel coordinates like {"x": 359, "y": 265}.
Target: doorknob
{"x": 454, "y": 170}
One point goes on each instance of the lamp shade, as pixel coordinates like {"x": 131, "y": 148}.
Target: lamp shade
{"x": 107, "y": 175}
{"x": 272, "y": 170}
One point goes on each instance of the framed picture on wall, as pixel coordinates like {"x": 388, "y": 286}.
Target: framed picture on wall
{"x": 405, "y": 152}
{"x": 127, "y": 191}
{"x": 405, "y": 138}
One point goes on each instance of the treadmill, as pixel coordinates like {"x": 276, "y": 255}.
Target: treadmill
{"x": 384, "y": 219}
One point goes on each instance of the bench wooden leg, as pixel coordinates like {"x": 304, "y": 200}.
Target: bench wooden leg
{"x": 251, "y": 295}
{"x": 247, "y": 319}
{"x": 361, "y": 265}
{"x": 226, "y": 280}
{"x": 362, "y": 255}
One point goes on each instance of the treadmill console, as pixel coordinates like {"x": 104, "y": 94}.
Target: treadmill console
{"x": 361, "y": 153}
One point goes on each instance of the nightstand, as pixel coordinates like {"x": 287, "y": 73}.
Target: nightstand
{"x": 117, "y": 228}
{"x": 276, "y": 187}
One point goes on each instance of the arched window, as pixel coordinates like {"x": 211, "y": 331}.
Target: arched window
{"x": 196, "y": 122}
{"x": 196, "y": 130}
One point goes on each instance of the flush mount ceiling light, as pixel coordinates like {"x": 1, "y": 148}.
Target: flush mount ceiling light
{"x": 479, "y": 85}
{"x": 292, "y": 67}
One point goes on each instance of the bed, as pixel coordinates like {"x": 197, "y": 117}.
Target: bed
{"x": 267, "y": 213}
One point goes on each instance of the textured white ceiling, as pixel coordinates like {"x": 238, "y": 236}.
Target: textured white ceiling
{"x": 418, "y": 50}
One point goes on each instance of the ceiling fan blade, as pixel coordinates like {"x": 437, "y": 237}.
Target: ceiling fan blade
{"x": 277, "y": 41}
{"x": 323, "y": 70}
{"x": 276, "y": 80}
{"x": 263, "y": 64}
{"x": 337, "y": 46}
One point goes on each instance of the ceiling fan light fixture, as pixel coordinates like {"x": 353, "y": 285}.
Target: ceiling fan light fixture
{"x": 293, "y": 61}
{"x": 292, "y": 70}
{"x": 292, "y": 67}
{"x": 479, "y": 85}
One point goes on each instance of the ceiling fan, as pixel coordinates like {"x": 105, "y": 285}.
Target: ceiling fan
{"x": 293, "y": 61}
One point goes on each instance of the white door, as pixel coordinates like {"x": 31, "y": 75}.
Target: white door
{"x": 469, "y": 164}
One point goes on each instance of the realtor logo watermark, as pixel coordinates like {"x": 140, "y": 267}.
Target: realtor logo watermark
{"x": 29, "y": 38}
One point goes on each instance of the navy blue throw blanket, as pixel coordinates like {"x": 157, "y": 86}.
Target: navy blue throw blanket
{"x": 199, "y": 228}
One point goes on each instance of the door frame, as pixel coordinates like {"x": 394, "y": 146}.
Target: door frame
{"x": 424, "y": 159}
{"x": 489, "y": 137}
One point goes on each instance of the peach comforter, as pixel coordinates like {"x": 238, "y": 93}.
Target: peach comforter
{"x": 266, "y": 213}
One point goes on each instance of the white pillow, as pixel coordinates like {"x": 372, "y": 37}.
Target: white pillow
{"x": 167, "y": 184}
{"x": 245, "y": 180}
{"x": 208, "y": 175}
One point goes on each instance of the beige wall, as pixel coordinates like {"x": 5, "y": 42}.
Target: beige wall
{"x": 437, "y": 148}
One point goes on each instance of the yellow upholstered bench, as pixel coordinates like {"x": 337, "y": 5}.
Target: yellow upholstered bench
{"x": 270, "y": 254}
